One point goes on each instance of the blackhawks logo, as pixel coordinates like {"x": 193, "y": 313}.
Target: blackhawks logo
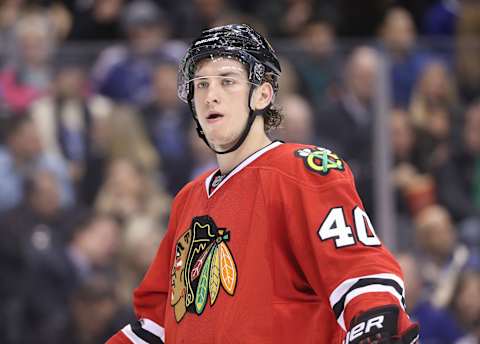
{"x": 320, "y": 160}
{"x": 203, "y": 263}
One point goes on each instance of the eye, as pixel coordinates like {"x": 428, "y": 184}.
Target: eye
{"x": 202, "y": 83}
{"x": 228, "y": 81}
{"x": 178, "y": 250}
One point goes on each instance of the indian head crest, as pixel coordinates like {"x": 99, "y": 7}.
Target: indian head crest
{"x": 203, "y": 263}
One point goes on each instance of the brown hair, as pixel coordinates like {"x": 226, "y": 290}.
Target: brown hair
{"x": 272, "y": 115}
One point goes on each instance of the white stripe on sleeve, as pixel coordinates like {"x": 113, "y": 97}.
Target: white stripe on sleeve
{"x": 338, "y": 293}
{"x": 153, "y": 327}
{"x": 349, "y": 289}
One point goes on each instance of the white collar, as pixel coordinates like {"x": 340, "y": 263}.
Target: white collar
{"x": 239, "y": 167}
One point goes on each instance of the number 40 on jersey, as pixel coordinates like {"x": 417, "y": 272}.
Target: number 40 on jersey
{"x": 335, "y": 227}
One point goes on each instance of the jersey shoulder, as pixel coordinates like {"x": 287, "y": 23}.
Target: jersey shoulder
{"x": 308, "y": 163}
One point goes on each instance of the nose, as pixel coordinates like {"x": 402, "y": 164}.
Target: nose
{"x": 212, "y": 94}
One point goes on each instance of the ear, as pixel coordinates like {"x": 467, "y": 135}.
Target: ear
{"x": 262, "y": 96}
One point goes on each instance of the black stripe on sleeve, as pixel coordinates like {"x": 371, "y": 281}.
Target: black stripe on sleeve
{"x": 364, "y": 282}
{"x": 144, "y": 334}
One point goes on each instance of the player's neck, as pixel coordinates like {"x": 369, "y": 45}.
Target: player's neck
{"x": 256, "y": 140}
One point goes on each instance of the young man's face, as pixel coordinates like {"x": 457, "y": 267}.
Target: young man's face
{"x": 221, "y": 90}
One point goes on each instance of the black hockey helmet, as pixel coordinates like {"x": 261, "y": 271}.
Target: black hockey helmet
{"x": 238, "y": 41}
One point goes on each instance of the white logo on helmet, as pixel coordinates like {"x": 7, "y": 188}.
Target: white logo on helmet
{"x": 206, "y": 40}
{"x": 258, "y": 71}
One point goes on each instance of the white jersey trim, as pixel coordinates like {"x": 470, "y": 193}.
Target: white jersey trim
{"x": 344, "y": 291}
{"x": 127, "y": 331}
{"x": 153, "y": 327}
{"x": 240, "y": 167}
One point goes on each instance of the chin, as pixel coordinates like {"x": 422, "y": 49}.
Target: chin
{"x": 222, "y": 144}
{"x": 218, "y": 138}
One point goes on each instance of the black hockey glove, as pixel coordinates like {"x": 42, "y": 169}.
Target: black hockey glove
{"x": 380, "y": 326}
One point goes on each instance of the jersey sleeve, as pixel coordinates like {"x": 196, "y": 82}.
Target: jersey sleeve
{"x": 150, "y": 297}
{"x": 334, "y": 243}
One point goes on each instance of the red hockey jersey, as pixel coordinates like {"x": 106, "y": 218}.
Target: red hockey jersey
{"x": 280, "y": 251}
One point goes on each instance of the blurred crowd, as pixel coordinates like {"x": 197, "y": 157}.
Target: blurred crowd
{"x": 94, "y": 144}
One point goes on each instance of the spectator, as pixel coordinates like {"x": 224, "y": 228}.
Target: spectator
{"x": 434, "y": 110}
{"x": 458, "y": 178}
{"x": 125, "y": 138}
{"x": 129, "y": 191}
{"x": 298, "y": 123}
{"x": 237, "y": 17}
{"x": 418, "y": 8}
{"x": 124, "y": 72}
{"x": 318, "y": 68}
{"x": 167, "y": 120}
{"x": 197, "y": 15}
{"x": 346, "y": 124}
{"x": 434, "y": 88}
{"x": 139, "y": 244}
{"x": 290, "y": 79}
{"x": 93, "y": 243}
{"x": 442, "y": 256}
{"x": 468, "y": 50}
{"x": 21, "y": 156}
{"x": 118, "y": 135}
{"x": 288, "y": 18}
{"x": 10, "y": 11}
{"x": 398, "y": 41}
{"x": 362, "y": 21}
{"x": 93, "y": 327}
{"x": 441, "y": 18}
{"x": 413, "y": 188}
{"x": 39, "y": 222}
{"x": 470, "y": 338}
{"x": 466, "y": 306}
{"x": 33, "y": 228}
{"x": 28, "y": 75}
{"x": 438, "y": 326}
{"x": 66, "y": 120}
{"x": 95, "y": 20}
{"x": 61, "y": 19}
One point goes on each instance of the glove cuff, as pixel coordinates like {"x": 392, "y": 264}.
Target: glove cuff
{"x": 380, "y": 325}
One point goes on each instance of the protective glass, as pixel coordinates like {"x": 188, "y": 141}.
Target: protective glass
{"x": 229, "y": 78}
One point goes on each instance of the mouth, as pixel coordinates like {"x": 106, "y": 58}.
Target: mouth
{"x": 213, "y": 117}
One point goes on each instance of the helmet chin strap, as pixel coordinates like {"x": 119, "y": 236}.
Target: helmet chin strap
{"x": 251, "y": 118}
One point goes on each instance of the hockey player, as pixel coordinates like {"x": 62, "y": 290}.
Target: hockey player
{"x": 274, "y": 246}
